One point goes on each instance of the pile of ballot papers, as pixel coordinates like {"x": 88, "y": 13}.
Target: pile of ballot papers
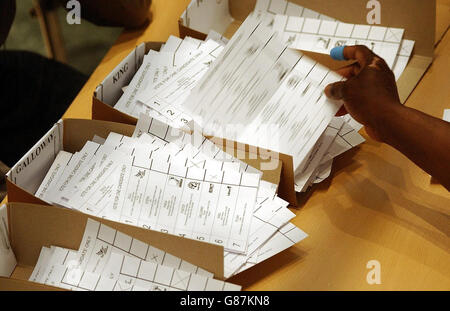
{"x": 109, "y": 260}
{"x": 167, "y": 180}
{"x": 304, "y": 29}
{"x": 252, "y": 90}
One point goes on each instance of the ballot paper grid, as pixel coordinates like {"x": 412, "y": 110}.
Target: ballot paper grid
{"x": 259, "y": 211}
{"x": 156, "y": 66}
{"x": 320, "y": 36}
{"x": 222, "y": 175}
{"x": 132, "y": 271}
{"x": 261, "y": 235}
{"x": 167, "y": 133}
{"x": 104, "y": 240}
{"x": 115, "y": 269}
{"x": 346, "y": 139}
{"x": 283, "y": 7}
{"x": 134, "y": 275}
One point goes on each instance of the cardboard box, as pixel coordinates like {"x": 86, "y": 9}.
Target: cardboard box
{"x": 109, "y": 91}
{"x": 70, "y": 135}
{"x": 33, "y": 226}
{"x": 417, "y": 17}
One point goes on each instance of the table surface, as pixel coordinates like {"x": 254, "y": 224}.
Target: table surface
{"x": 377, "y": 205}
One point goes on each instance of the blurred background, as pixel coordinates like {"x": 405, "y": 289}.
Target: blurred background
{"x": 84, "y": 44}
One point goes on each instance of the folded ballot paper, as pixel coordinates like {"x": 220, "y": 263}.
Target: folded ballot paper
{"x": 168, "y": 180}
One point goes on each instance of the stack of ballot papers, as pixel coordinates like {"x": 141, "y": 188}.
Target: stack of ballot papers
{"x": 168, "y": 180}
{"x": 109, "y": 260}
{"x": 253, "y": 90}
{"x": 304, "y": 29}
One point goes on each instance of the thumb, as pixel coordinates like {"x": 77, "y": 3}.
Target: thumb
{"x": 336, "y": 90}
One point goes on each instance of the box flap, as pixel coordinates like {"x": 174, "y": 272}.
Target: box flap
{"x": 102, "y": 111}
{"x": 30, "y": 170}
{"x": 110, "y": 90}
{"x": 78, "y": 131}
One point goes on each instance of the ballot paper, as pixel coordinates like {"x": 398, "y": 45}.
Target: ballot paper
{"x": 323, "y": 171}
{"x": 100, "y": 241}
{"x": 343, "y": 138}
{"x": 171, "y": 92}
{"x": 158, "y": 194}
{"x": 403, "y": 56}
{"x": 132, "y": 271}
{"x": 117, "y": 263}
{"x": 271, "y": 215}
{"x": 381, "y": 40}
{"x": 156, "y": 66}
{"x": 54, "y": 173}
{"x": 7, "y": 258}
{"x": 284, "y": 238}
{"x": 306, "y": 176}
{"x": 446, "y": 115}
{"x": 321, "y": 36}
{"x": 346, "y": 139}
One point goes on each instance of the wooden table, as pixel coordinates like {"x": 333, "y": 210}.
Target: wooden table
{"x": 376, "y": 206}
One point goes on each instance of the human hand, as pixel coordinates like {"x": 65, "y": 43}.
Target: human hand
{"x": 370, "y": 91}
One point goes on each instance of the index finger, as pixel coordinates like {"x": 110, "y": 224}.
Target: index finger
{"x": 360, "y": 53}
